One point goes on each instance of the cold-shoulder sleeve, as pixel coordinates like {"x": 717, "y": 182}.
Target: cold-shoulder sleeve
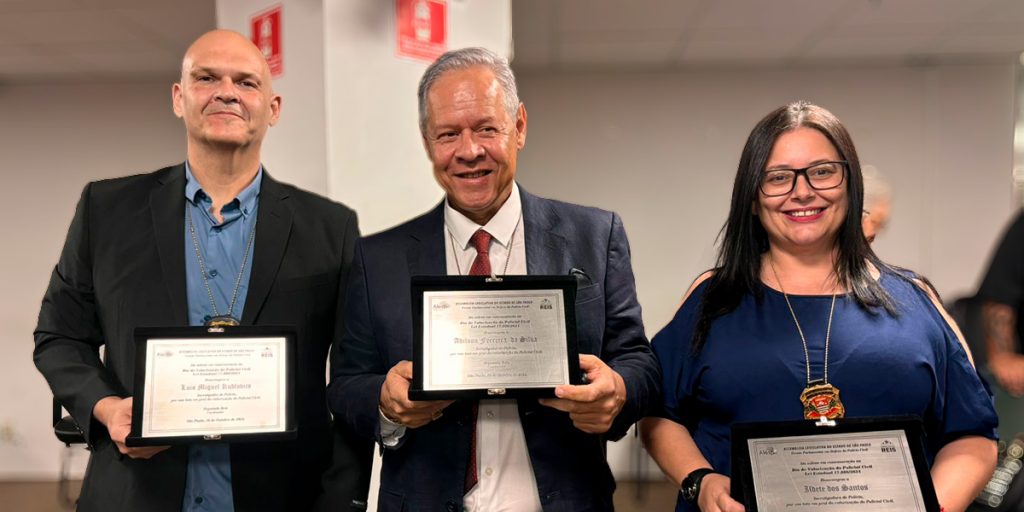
{"x": 680, "y": 367}
{"x": 962, "y": 403}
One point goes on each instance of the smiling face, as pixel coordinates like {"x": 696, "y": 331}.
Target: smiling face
{"x": 472, "y": 141}
{"x": 225, "y": 96}
{"x": 805, "y": 220}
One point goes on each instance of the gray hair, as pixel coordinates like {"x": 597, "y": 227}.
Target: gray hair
{"x": 876, "y": 187}
{"x": 466, "y": 58}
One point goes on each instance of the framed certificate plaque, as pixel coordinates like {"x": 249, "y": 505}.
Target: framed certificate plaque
{"x": 857, "y": 464}
{"x": 202, "y": 384}
{"x": 475, "y": 337}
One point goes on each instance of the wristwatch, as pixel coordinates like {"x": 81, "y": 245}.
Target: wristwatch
{"x": 690, "y": 488}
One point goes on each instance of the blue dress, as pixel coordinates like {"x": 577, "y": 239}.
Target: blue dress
{"x": 752, "y": 368}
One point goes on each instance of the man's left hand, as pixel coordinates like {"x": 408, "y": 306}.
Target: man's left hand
{"x": 592, "y": 406}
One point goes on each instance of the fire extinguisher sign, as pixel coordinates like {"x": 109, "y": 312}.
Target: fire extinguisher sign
{"x": 265, "y": 28}
{"x": 422, "y": 28}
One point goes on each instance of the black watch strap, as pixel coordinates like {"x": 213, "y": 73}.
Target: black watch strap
{"x": 690, "y": 489}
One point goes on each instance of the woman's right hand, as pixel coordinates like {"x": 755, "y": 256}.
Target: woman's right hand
{"x": 714, "y": 495}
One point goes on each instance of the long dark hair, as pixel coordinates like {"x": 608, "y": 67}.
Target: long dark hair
{"x": 744, "y": 239}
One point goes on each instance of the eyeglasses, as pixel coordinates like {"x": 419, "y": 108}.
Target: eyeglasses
{"x": 821, "y": 176}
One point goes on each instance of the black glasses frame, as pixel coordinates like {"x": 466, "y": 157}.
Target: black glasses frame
{"x": 844, "y": 165}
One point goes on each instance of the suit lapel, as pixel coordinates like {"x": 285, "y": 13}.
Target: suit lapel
{"x": 167, "y": 205}
{"x": 546, "y": 248}
{"x": 273, "y": 226}
{"x": 426, "y": 255}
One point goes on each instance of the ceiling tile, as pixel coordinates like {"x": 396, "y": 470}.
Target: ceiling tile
{"x": 887, "y": 46}
{"x": 777, "y": 15}
{"x": 602, "y": 15}
{"x": 143, "y": 64}
{"x": 987, "y": 28}
{"x": 615, "y": 53}
{"x": 981, "y": 44}
{"x": 733, "y": 43}
{"x": 64, "y": 27}
{"x": 16, "y": 6}
{"x": 175, "y": 27}
{"x": 911, "y": 11}
{"x": 861, "y": 32}
{"x": 997, "y": 11}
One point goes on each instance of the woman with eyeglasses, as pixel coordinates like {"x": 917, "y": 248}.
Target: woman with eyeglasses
{"x": 800, "y": 320}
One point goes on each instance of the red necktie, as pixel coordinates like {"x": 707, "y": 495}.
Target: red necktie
{"x": 481, "y": 241}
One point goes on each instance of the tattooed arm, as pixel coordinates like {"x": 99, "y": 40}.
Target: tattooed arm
{"x": 1003, "y": 360}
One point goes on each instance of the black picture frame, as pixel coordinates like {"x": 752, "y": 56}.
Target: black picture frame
{"x": 421, "y": 284}
{"x": 742, "y": 479}
{"x": 142, "y": 337}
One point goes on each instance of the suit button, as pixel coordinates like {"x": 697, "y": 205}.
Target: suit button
{"x": 451, "y": 506}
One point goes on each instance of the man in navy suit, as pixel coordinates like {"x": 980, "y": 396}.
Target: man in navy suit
{"x": 497, "y": 454}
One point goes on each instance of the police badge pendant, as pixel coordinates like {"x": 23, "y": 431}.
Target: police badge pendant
{"x": 223, "y": 321}
{"x": 822, "y": 401}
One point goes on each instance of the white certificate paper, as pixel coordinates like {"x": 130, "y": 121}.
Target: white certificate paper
{"x": 867, "y": 471}
{"x": 494, "y": 339}
{"x": 222, "y": 386}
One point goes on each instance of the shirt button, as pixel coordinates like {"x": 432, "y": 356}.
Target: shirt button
{"x": 490, "y": 414}
{"x": 488, "y": 471}
{"x": 199, "y": 499}
{"x": 213, "y": 273}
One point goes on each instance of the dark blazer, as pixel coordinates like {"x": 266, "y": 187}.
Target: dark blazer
{"x": 123, "y": 266}
{"x": 426, "y": 471}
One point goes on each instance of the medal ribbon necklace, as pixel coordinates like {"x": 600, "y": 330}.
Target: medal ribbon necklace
{"x": 229, "y": 319}
{"x": 819, "y": 400}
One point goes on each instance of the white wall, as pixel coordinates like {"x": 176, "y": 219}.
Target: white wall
{"x": 53, "y": 140}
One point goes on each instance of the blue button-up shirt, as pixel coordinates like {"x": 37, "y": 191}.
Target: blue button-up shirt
{"x": 222, "y": 244}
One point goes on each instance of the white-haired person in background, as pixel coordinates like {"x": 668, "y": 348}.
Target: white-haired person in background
{"x": 877, "y": 202}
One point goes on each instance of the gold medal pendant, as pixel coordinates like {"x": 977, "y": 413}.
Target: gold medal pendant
{"x": 822, "y": 401}
{"x": 223, "y": 321}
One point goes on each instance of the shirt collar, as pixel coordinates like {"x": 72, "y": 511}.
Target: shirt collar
{"x": 246, "y": 198}
{"x": 501, "y": 226}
